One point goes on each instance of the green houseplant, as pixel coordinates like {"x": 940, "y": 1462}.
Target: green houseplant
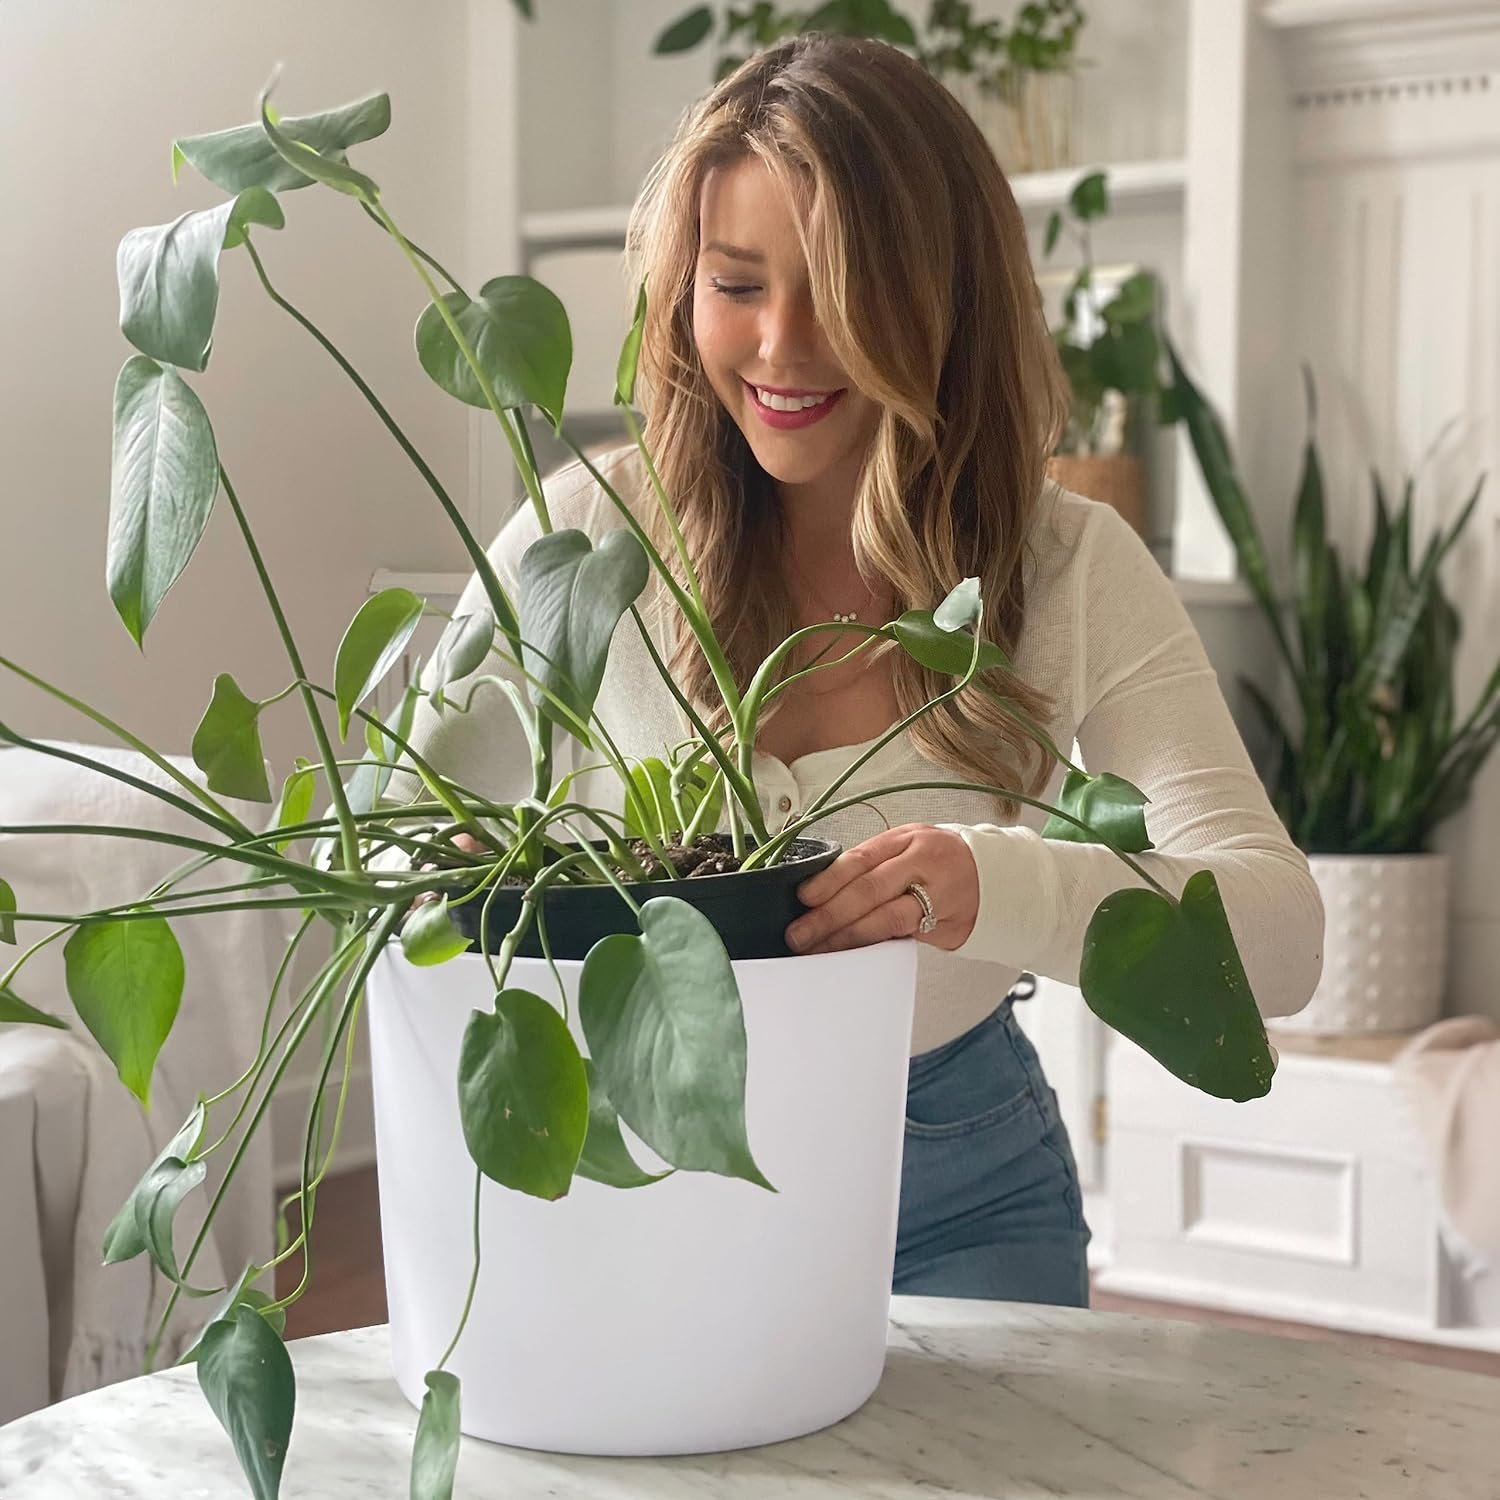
{"x": 1375, "y": 754}
{"x": 1015, "y": 79}
{"x": 1162, "y": 970}
{"x": 1111, "y": 355}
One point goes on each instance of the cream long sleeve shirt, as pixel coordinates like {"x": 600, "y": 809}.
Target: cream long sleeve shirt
{"x": 1105, "y": 636}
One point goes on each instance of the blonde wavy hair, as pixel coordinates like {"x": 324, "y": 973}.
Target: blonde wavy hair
{"x": 922, "y": 284}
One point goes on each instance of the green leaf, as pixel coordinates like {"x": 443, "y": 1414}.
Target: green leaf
{"x": 463, "y": 648}
{"x": 14, "y": 1011}
{"x": 523, "y": 1095}
{"x": 169, "y": 277}
{"x": 125, "y": 980}
{"x": 434, "y": 1455}
{"x": 124, "y": 1240}
{"x": 331, "y": 170}
{"x": 1109, "y": 804}
{"x": 243, "y": 157}
{"x": 7, "y": 913}
{"x": 942, "y": 650}
{"x": 1090, "y": 197}
{"x": 662, "y": 1016}
{"x": 1216, "y": 464}
{"x": 371, "y": 646}
{"x": 226, "y": 744}
{"x": 296, "y": 799}
{"x": 1054, "y": 230}
{"x": 156, "y": 1204}
{"x": 630, "y": 352}
{"x": 686, "y": 32}
{"x": 960, "y": 609}
{"x": 572, "y": 596}
{"x": 651, "y": 809}
{"x": 606, "y": 1158}
{"x": 241, "y": 1294}
{"x": 428, "y": 935}
{"x": 519, "y": 333}
{"x": 246, "y": 1374}
{"x": 164, "y": 475}
{"x": 1167, "y": 976}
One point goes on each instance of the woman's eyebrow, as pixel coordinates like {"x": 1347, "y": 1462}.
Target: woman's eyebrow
{"x": 734, "y": 252}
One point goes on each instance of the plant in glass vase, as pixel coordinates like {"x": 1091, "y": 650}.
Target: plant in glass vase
{"x": 1110, "y": 352}
{"x": 647, "y": 1028}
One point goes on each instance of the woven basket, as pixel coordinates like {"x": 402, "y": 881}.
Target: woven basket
{"x": 1118, "y": 481}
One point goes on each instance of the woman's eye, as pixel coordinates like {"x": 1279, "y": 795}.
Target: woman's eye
{"x": 733, "y": 291}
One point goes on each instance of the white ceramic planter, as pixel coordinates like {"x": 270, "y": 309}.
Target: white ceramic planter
{"x": 1385, "y": 953}
{"x": 695, "y": 1315}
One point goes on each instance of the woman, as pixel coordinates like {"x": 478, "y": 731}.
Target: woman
{"x": 851, "y": 393}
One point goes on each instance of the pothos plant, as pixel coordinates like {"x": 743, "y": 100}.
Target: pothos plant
{"x": 1109, "y": 347}
{"x": 1160, "y": 968}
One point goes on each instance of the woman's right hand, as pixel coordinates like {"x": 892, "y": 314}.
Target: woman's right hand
{"x": 464, "y": 841}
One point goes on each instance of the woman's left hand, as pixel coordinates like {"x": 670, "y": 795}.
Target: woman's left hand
{"x": 862, "y": 896}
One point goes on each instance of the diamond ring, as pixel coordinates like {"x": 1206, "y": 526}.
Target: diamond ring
{"x": 929, "y": 914}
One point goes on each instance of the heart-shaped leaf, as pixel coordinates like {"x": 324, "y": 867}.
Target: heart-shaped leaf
{"x": 164, "y": 475}
{"x": 428, "y": 935}
{"x": 169, "y": 276}
{"x": 662, "y": 1016}
{"x": 960, "y": 609}
{"x": 463, "y": 648}
{"x": 630, "y": 352}
{"x": 434, "y": 1455}
{"x": 156, "y": 1204}
{"x": 226, "y": 743}
{"x": 125, "y": 980}
{"x": 523, "y": 1095}
{"x": 1109, "y": 804}
{"x": 332, "y": 170}
{"x": 15, "y": 1011}
{"x": 372, "y": 644}
{"x": 246, "y": 1374}
{"x": 520, "y": 336}
{"x": 296, "y": 799}
{"x": 123, "y": 1240}
{"x": 243, "y": 157}
{"x": 572, "y": 597}
{"x": 7, "y": 913}
{"x": 606, "y": 1158}
{"x": 1090, "y": 196}
{"x": 1168, "y": 976}
{"x": 241, "y": 1294}
{"x": 942, "y": 650}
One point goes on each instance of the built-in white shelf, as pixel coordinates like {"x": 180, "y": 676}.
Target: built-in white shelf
{"x": 1141, "y": 185}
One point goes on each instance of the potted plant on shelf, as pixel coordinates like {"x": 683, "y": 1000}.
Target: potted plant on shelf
{"x": 1110, "y": 353}
{"x": 1017, "y": 80}
{"x": 632, "y": 1074}
{"x": 1375, "y": 755}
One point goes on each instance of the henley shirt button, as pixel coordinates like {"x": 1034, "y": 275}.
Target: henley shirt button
{"x": 783, "y": 804}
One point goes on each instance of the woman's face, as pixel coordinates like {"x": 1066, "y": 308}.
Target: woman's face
{"x": 754, "y": 327}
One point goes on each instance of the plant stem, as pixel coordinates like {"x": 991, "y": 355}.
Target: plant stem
{"x": 504, "y": 611}
{"x": 668, "y": 511}
{"x": 222, "y": 818}
{"x": 473, "y": 1279}
{"x": 348, "y": 841}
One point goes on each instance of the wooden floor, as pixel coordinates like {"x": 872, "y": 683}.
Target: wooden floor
{"x": 348, "y": 1289}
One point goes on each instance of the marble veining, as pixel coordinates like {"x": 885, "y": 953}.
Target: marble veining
{"x": 979, "y": 1399}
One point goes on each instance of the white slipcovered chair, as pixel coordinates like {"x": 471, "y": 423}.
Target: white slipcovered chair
{"x": 73, "y": 1140}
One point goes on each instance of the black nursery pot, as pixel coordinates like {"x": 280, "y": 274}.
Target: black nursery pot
{"x": 750, "y": 909}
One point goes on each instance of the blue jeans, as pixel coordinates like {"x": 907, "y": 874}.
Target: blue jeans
{"x": 990, "y": 1201}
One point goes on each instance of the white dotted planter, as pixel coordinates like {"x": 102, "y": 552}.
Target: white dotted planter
{"x": 1385, "y": 951}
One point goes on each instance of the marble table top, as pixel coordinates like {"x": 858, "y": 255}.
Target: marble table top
{"x": 979, "y": 1399}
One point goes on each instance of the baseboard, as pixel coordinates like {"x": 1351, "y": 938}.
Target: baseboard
{"x": 1127, "y": 1283}
{"x": 356, "y": 1146}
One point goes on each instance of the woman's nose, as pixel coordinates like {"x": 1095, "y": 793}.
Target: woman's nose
{"x": 788, "y": 332}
